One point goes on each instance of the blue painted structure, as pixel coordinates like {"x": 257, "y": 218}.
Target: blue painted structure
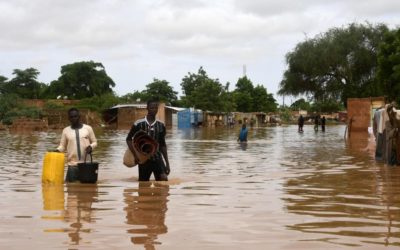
{"x": 189, "y": 118}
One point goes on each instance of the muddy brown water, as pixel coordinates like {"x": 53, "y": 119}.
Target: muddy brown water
{"x": 283, "y": 190}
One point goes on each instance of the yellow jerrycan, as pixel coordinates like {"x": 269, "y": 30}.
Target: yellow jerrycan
{"x": 53, "y": 168}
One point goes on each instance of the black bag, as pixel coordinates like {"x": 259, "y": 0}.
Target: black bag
{"x": 88, "y": 171}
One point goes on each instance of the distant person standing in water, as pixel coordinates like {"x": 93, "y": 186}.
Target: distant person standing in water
{"x": 316, "y": 122}
{"x": 323, "y": 120}
{"x": 77, "y": 140}
{"x": 243, "y": 134}
{"x": 158, "y": 164}
{"x": 301, "y": 123}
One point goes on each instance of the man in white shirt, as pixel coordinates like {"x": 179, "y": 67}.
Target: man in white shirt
{"x": 77, "y": 140}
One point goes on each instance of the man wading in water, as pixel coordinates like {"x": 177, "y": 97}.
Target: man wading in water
{"x": 155, "y": 129}
{"x": 77, "y": 140}
{"x": 243, "y": 134}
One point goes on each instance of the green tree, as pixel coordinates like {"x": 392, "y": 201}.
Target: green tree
{"x": 25, "y": 84}
{"x": 301, "y": 104}
{"x": 243, "y": 95}
{"x": 204, "y": 93}
{"x": 227, "y": 99}
{"x": 3, "y": 83}
{"x": 335, "y": 65}
{"x": 253, "y": 99}
{"x": 99, "y": 103}
{"x": 161, "y": 90}
{"x": 136, "y": 96}
{"x": 327, "y": 106}
{"x": 81, "y": 80}
{"x": 7, "y": 103}
{"x": 262, "y": 101}
{"x": 192, "y": 81}
{"x": 389, "y": 65}
{"x": 208, "y": 96}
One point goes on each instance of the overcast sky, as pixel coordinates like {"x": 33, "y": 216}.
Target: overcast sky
{"x": 138, "y": 40}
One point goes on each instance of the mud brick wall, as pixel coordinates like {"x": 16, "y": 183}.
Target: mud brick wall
{"x": 58, "y": 119}
{"x": 359, "y": 110}
{"x": 128, "y": 115}
{"x": 27, "y": 124}
{"x": 168, "y": 117}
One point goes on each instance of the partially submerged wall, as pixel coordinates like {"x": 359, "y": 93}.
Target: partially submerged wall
{"x": 359, "y": 112}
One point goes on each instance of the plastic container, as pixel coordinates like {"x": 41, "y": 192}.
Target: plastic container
{"x": 53, "y": 168}
{"x": 88, "y": 171}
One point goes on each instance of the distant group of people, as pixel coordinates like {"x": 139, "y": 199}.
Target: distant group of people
{"x": 79, "y": 139}
{"x": 317, "y": 121}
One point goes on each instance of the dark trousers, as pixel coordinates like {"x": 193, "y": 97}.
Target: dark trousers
{"x": 155, "y": 166}
{"x": 72, "y": 174}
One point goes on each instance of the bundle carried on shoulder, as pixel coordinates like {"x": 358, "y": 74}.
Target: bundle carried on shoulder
{"x": 144, "y": 146}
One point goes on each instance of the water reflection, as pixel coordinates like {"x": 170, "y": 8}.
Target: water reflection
{"x": 243, "y": 146}
{"x": 145, "y": 210}
{"x": 79, "y": 211}
{"x": 316, "y": 189}
{"x": 53, "y": 197}
{"x": 353, "y": 199}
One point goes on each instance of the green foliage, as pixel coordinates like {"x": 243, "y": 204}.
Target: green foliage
{"x": 389, "y": 65}
{"x": 160, "y": 89}
{"x": 300, "y": 104}
{"x": 7, "y": 103}
{"x": 21, "y": 111}
{"x": 205, "y": 93}
{"x": 134, "y": 97}
{"x": 336, "y": 65}
{"x": 3, "y": 82}
{"x": 192, "y": 81}
{"x": 24, "y": 84}
{"x": 262, "y": 101}
{"x": 51, "y": 104}
{"x": 243, "y": 95}
{"x": 81, "y": 80}
{"x": 99, "y": 103}
{"x": 285, "y": 114}
{"x": 253, "y": 99}
{"x": 327, "y": 106}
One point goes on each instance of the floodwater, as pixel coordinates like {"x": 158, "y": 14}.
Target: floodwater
{"x": 283, "y": 190}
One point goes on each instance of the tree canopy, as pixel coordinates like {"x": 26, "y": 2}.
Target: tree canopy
{"x": 389, "y": 65}
{"x": 253, "y": 99}
{"x": 161, "y": 90}
{"x": 81, "y": 80}
{"x": 335, "y": 65}
{"x": 205, "y": 93}
{"x": 24, "y": 84}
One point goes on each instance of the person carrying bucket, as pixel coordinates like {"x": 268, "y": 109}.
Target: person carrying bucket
{"x": 158, "y": 163}
{"x": 77, "y": 140}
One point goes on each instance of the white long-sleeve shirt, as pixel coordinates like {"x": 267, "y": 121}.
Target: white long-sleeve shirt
{"x": 69, "y": 143}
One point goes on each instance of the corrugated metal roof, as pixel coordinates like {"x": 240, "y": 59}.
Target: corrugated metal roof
{"x": 142, "y": 106}
{"x": 175, "y": 108}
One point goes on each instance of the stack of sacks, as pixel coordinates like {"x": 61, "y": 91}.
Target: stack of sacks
{"x": 144, "y": 145}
